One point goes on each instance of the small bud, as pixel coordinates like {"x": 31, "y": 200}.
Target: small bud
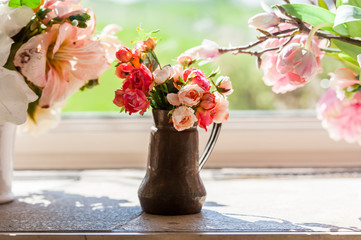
{"x": 75, "y": 22}
{"x": 264, "y": 20}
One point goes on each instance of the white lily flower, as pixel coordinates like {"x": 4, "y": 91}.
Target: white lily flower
{"x": 14, "y": 19}
{"x": 5, "y": 46}
{"x": 15, "y": 95}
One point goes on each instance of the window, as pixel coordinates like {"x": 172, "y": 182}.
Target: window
{"x": 94, "y": 135}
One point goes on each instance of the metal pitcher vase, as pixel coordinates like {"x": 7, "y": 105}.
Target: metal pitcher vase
{"x": 172, "y": 185}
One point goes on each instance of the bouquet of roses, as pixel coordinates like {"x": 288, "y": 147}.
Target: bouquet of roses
{"x": 293, "y": 40}
{"x": 48, "y": 52}
{"x": 188, "y": 94}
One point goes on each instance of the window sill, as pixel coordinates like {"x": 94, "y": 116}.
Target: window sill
{"x": 248, "y": 139}
{"x": 257, "y": 204}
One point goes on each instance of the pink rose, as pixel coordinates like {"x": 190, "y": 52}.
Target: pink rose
{"x": 134, "y": 101}
{"x": 140, "y": 78}
{"x": 162, "y": 75}
{"x": 296, "y": 61}
{"x": 190, "y": 95}
{"x": 204, "y": 117}
{"x": 221, "y": 110}
{"x": 196, "y": 76}
{"x": 183, "y": 118}
{"x": 207, "y": 50}
{"x": 119, "y": 98}
{"x": 341, "y": 79}
{"x": 178, "y": 72}
{"x": 264, "y": 20}
{"x": 341, "y": 117}
{"x": 185, "y": 59}
{"x": 224, "y": 85}
{"x": 124, "y": 54}
{"x": 208, "y": 101}
{"x": 173, "y": 99}
{"x": 145, "y": 46}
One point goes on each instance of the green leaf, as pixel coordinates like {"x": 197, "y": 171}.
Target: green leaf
{"x": 29, "y": 3}
{"x": 356, "y": 3}
{"x": 322, "y": 4}
{"x": 311, "y": 14}
{"x": 348, "y": 21}
{"x": 348, "y": 48}
{"x": 338, "y": 3}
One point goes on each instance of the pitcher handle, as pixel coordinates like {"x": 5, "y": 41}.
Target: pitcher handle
{"x": 210, "y": 144}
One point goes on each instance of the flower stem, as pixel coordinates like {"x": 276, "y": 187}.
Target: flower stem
{"x": 313, "y": 32}
{"x": 155, "y": 58}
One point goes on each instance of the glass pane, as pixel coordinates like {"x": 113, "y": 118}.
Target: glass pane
{"x": 184, "y": 24}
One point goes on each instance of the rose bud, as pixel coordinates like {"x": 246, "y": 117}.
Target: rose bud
{"x": 224, "y": 85}
{"x": 124, "y": 54}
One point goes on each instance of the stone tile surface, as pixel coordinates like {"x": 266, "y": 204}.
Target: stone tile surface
{"x": 245, "y": 200}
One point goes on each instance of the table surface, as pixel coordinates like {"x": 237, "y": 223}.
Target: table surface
{"x": 241, "y": 204}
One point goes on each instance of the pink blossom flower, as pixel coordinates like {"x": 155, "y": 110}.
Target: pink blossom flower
{"x": 224, "y": 85}
{"x": 109, "y": 41}
{"x": 204, "y": 117}
{"x": 140, "y": 78}
{"x": 208, "y": 50}
{"x": 190, "y": 95}
{"x": 297, "y": 62}
{"x": 162, "y": 75}
{"x": 196, "y": 76}
{"x": 61, "y": 60}
{"x": 296, "y": 75}
{"x": 183, "y": 118}
{"x": 208, "y": 101}
{"x": 173, "y": 99}
{"x": 341, "y": 79}
{"x": 342, "y": 118}
{"x": 278, "y": 81}
{"x": 221, "y": 110}
{"x": 135, "y": 101}
{"x": 264, "y": 20}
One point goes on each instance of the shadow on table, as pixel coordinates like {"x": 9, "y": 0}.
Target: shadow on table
{"x": 57, "y": 211}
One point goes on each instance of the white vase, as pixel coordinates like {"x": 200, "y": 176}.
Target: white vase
{"x": 7, "y": 139}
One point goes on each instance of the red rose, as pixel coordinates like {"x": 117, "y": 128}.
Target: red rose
{"x": 123, "y": 70}
{"x": 118, "y": 99}
{"x": 204, "y": 117}
{"x": 134, "y": 101}
{"x": 140, "y": 78}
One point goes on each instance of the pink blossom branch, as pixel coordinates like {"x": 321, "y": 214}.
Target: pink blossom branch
{"x": 300, "y": 27}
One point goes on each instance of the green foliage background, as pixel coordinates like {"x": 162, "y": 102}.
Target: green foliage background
{"x": 184, "y": 24}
